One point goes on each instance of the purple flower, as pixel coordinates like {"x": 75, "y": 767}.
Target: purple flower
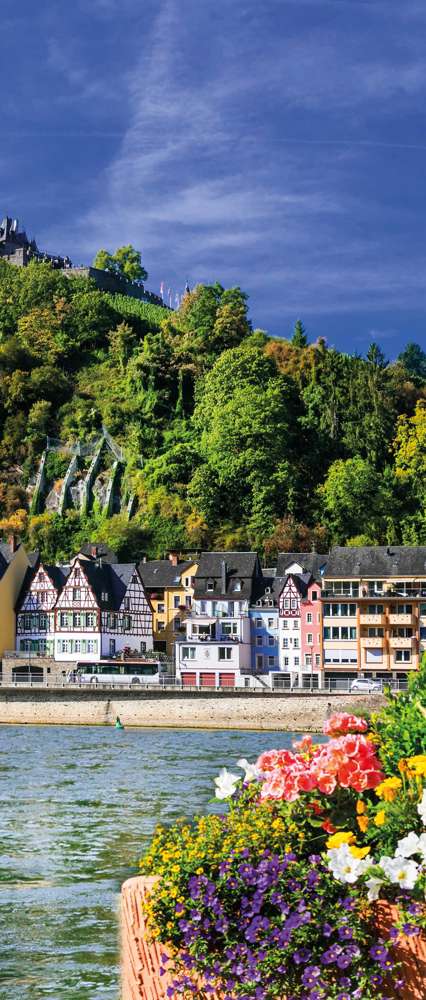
{"x": 379, "y": 952}
{"x": 310, "y": 975}
{"x": 301, "y": 955}
{"x": 327, "y": 930}
{"x": 345, "y": 933}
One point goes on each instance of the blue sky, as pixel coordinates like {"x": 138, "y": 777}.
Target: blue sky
{"x": 277, "y": 145}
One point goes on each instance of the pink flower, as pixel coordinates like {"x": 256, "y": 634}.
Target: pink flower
{"x": 341, "y": 723}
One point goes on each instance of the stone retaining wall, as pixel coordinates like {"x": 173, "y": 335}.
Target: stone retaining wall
{"x": 177, "y": 709}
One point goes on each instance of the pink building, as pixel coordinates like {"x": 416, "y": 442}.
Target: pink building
{"x": 311, "y": 630}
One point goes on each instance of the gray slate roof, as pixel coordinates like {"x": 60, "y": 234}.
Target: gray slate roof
{"x": 6, "y": 556}
{"x": 311, "y": 562}
{"x": 224, "y": 568}
{"x": 160, "y": 573}
{"x": 377, "y": 562}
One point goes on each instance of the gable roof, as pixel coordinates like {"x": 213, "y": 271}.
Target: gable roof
{"x": 98, "y": 550}
{"x": 162, "y": 573}
{"x": 57, "y": 576}
{"x": 108, "y": 579}
{"x": 377, "y": 561}
{"x": 311, "y": 562}
{"x": 224, "y": 568}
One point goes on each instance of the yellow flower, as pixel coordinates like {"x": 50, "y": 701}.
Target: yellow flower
{"x": 418, "y": 764}
{"x": 359, "y": 852}
{"x": 388, "y": 789}
{"x": 380, "y": 818}
{"x": 402, "y": 767}
{"x": 340, "y": 838}
{"x": 360, "y": 807}
{"x": 363, "y": 822}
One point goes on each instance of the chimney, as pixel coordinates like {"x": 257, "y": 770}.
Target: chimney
{"x": 12, "y": 542}
{"x": 93, "y": 551}
{"x": 223, "y": 569}
{"x": 173, "y": 558}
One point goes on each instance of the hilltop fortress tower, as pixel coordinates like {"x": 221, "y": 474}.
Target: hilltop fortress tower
{"x": 17, "y": 249}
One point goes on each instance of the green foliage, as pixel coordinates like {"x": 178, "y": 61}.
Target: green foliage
{"x": 231, "y": 438}
{"x": 125, "y": 263}
{"x": 401, "y": 725}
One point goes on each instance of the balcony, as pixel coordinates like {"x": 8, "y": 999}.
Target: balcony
{"x": 400, "y": 642}
{"x": 372, "y": 642}
{"x": 372, "y": 619}
{"x": 402, "y": 619}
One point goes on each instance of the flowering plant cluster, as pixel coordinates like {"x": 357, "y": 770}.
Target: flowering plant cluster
{"x": 275, "y": 898}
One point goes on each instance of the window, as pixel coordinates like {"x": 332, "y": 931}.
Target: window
{"x": 293, "y": 604}
{"x": 187, "y": 581}
{"x": 271, "y": 661}
{"x": 231, "y": 628}
{"x": 402, "y": 656}
{"x": 76, "y": 620}
{"x": 76, "y": 594}
{"x": 314, "y": 595}
{"x": 160, "y": 608}
{"x": 310, "y": 639}
{"x": 259, "y": 641}
{"x": 287, "y": 604}
{"x": 90, "y": 620}
{"x": 43, "y": 622}
{"x": 340, "y": 632}
{"x": 270, "y": 622}
{"x": 92, "y": 645}
{"x": 296, "y": 623}
{"x": 210, "y": 586}
{"x": 236, "y": 585}
{"x": 259, "y": 661}
{"x": 160, "y": 626}
{"x": 317, "y": 660}
{"x": 375, "y": 633}
{"x": 63, "y": 619}
{"x": 375, "y": 609}
{"x": 225, "y": 653}
{"x": 309, "y": 618}
{"x": 126, "y": 602}
{"x": 176, "y": 600}
{"x": 285, "y": 643}
{"x": 296, "y": 643}
{"x": 188, "y": 652}
{"x": 104, "y": 597}
{"x": 286, "y": 661}
{"x": 258, "y": 623}
{"x": 77, "y": 646}
{"x": 308, "y": 660}
{"x": 285, "y": 623}
{"x": 127, "y": 623}
{"x": 188, "y": 601}
{"x": 296, "y": 661}
{"x": 271, "y": 640}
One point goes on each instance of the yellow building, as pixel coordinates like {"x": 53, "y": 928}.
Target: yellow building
{"x": 13, "y": 567}
{"x": 169, "y": 585}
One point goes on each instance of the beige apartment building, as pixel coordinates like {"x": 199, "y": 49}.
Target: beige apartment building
{"x": 374, "y": 612}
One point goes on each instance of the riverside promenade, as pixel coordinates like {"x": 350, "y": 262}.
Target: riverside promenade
{"x": 178, "y": 709}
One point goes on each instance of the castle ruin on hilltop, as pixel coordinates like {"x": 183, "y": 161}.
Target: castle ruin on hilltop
{"x": 17, "y": 249}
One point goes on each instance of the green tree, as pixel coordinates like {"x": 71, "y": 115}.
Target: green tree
{"x": 352, "y": 501}
{"x": 414, "y": 360}
{"x": 126, "y": 263}
{"x": 299, "y": 338}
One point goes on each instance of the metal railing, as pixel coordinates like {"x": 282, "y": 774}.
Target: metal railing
{"x": 166, "y": 683}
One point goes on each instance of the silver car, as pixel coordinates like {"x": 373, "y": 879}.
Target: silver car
{"x": 365, "y": 685}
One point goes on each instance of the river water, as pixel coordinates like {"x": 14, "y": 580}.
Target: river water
{"x": 77, "y": 808}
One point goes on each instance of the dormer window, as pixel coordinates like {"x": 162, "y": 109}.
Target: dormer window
{"x": 76, "y": 573}
{"x": 210, "y": 586}
{"x": 104, "y": 595}
{"x": 236, "y": 585}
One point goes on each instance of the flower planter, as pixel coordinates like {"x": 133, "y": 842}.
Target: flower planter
{"x": 411, "y": 952}
{"x": 141, "y": 958}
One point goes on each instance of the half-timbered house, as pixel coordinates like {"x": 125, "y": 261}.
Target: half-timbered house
{"x": 101, "y": 611}
{"x": 35, "y": 615}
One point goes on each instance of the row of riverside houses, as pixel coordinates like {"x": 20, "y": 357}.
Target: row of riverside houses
{"x": 222, "y": 619}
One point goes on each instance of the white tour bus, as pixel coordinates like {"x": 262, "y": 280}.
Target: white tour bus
{"x": 115, "y": 673}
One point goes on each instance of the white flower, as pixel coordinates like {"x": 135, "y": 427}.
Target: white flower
{"x": 408, "y": 846}
{"x": 422, "y": 846}
{"x": 344, "y": 866}
{"x": 374, "y": 887}
{"x": 252, "y": 773}
{"x": 421, "y": 808}
{"x": 226, "y": 783}
{"x": 400, "y": 871}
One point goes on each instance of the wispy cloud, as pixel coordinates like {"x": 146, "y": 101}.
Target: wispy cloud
{"x": 248, "y": 154}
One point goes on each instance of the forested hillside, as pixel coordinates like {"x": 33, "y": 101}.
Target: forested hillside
{"x": 232, "y": 439}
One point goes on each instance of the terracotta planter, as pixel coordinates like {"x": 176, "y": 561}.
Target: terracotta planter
{"x": 141, "y": 960}
{"x": 411, "y": 952}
